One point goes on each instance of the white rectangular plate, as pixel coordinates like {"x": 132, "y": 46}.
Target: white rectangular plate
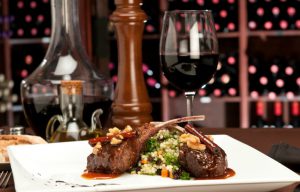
{"x": 58, "y": 167}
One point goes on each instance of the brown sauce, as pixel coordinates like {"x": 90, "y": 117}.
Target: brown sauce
{"x": 228, "y": 173}
{"x": 98, "y": 176}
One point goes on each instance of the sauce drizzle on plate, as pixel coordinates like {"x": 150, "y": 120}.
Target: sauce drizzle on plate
{"x": 228, "y": 173}
{"x": 98, "y": 176}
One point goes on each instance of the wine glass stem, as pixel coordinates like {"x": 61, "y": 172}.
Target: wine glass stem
{"x": 189, "y": 102}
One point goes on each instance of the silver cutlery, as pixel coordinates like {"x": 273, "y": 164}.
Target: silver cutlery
{"x": 4, "y": 178}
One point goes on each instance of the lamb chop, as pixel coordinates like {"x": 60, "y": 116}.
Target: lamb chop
{"x": 208, "y": 163}
{"x": 119, "y": 158}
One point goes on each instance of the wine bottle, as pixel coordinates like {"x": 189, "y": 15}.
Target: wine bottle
{"x": 278, "y": 115}
{"x": 232, "y": 86}
{"x": 259, "y": 77}
{"x": 260, "y": 110}
{"x": 290, "y": 74}
{"x": 294, "y": 117}
{"x": 275, "y": 76}
{"x": 253, "y": 74}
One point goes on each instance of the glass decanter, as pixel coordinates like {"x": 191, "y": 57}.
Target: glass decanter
{"x": 65, "y": 59}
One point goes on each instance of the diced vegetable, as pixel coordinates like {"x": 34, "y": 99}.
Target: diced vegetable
{"x": 144, "y": 161}
{"x": 164, "y": 172}
{"x": 185, "y": 176}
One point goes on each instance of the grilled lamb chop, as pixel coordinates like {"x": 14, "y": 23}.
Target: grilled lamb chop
{"x": 209, "y": 163}
{"x": 119, "y": 158}
{"x": 202, "y": 164}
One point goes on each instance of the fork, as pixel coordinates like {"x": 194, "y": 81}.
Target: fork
{"x": 4, "y": 178}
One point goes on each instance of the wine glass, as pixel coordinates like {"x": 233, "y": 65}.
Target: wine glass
{"x": 188, "y": 50}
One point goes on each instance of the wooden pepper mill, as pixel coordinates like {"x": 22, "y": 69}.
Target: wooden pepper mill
{"x": 131, "y": 105}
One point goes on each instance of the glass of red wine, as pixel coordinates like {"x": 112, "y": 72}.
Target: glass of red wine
{"x": 188, "y": 50}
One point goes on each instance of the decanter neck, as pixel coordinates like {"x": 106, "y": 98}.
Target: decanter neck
{"x": 72, "y": 107}
{"x": 71, "y": 99}
{"x": 66, "y": 36}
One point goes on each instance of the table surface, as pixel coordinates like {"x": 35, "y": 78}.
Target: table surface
{"x": 261, "y": 139}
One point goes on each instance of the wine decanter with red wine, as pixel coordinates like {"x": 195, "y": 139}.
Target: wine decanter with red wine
{"x": 188, "y": 50}
{"x": 65, "y": 59}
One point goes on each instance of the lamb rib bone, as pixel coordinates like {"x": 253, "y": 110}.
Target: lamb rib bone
{"x": 160, "y": 125}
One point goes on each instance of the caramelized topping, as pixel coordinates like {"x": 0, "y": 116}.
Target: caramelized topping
{"x": 213, "y": 147}
{"x": 114, "y": 136}
{"x": 113, "y": 131}
{"x": 192, "y": 141}
{"x": 115, "y": 141}
{"x": 128, "y": 128}
{"x": 97, "y": 148}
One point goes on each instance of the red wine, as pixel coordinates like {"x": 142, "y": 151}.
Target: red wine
{"x": 38, "y": 114}
{"x": 187, "y": 72}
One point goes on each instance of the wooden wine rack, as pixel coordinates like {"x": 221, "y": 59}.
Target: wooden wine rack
{"x": 242, "y": 36}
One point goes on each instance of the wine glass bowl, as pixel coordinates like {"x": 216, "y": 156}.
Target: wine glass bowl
{"x": 188, "y": 50}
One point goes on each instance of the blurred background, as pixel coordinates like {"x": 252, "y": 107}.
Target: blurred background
{"x": 256, "y": 85}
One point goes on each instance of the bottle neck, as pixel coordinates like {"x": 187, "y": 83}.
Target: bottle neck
{"x": 66, "y": 36}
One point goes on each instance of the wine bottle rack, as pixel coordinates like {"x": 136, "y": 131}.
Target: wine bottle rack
{"x": 273, "y": 15}
{"x": 26, "y": 58}
{"x": 30, "y": 19}
{"x": 225, "y": 12}
{"x": 273, "y": 78}
{"x": 274, "y": 114}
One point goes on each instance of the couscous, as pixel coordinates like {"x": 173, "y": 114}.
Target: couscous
{"x": 161, "y": 156}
